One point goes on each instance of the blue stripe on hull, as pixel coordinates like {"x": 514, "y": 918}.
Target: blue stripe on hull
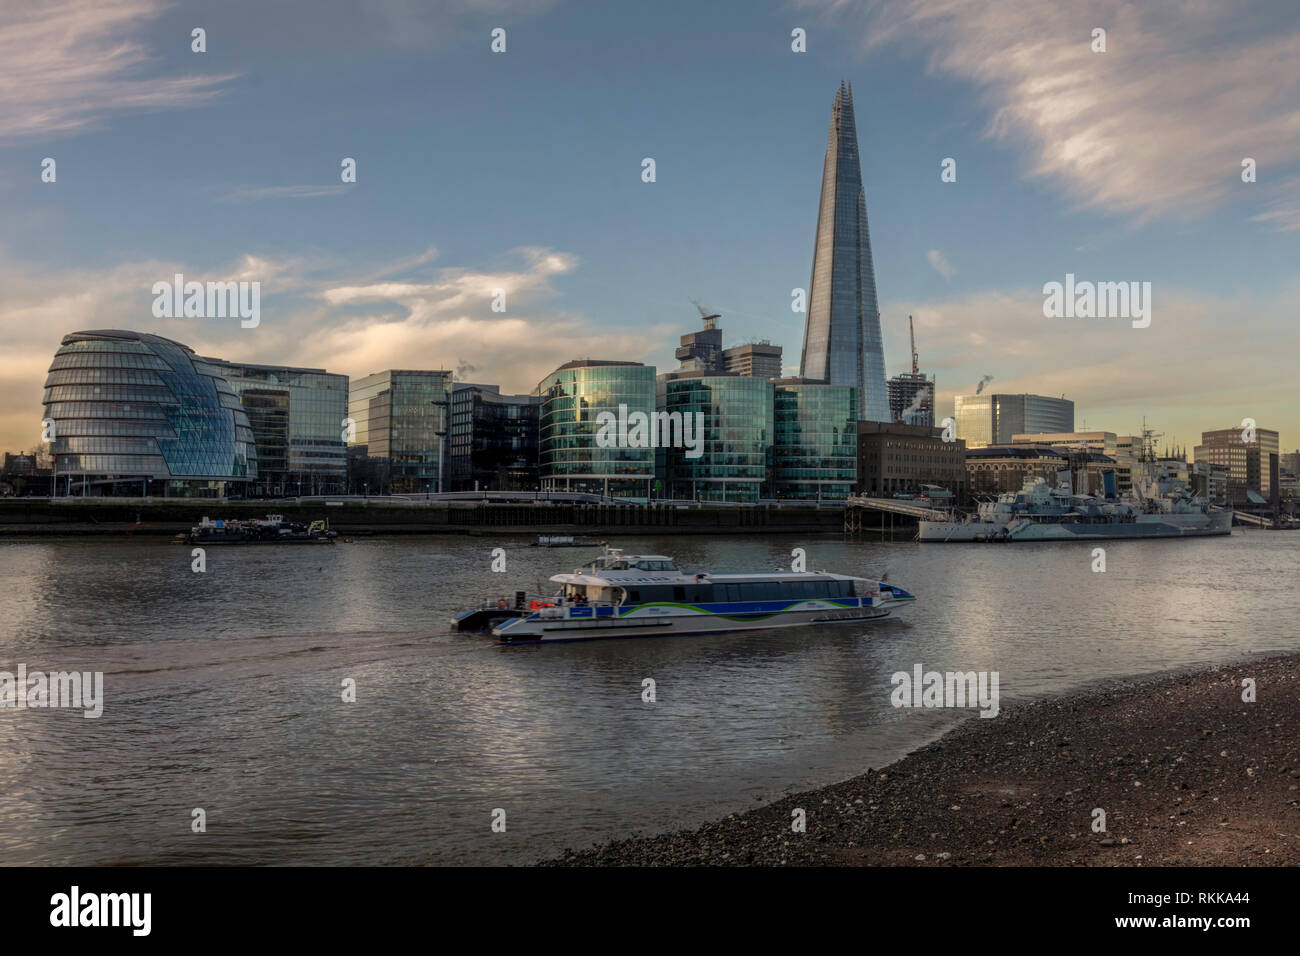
{"x": 631, "y": 633}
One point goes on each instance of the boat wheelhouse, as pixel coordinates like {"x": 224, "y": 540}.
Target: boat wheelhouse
{"x": 647, "y": 595}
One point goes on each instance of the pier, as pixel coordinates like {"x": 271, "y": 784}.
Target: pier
{"x": 83, "y": 517}
{"x": 890, "y": 513}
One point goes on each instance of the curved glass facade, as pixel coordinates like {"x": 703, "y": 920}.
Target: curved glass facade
{"x": 737, "y": 417}
{"x": 131, "y": 407}
{"x": 815, "y": 455}
{"x": 569, "y": 457}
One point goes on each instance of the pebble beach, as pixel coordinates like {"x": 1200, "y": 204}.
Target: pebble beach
{"x": 1186, "y": 772}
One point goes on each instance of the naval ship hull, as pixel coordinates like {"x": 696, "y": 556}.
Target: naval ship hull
{"x": 1172, "y": 525}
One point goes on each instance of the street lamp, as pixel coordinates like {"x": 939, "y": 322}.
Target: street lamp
{"x": 442, "y": 437}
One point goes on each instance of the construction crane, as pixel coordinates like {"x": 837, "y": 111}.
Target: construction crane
{"x": 710, "y": 319}
{"x": 916, "y": 365}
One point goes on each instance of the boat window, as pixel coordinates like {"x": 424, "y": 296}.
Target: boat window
{"x": 679, "y": 594}
{"x": 648, "y": 595}
{"x": 655, "y": 566}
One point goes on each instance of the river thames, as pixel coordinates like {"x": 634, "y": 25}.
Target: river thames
{"x": 224, "y": 689}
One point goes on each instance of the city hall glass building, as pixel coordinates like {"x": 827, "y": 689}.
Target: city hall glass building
{"x": 569, "y": 457}
{"x": 815, "y": 453}
{"x": 297, "y": 419}
{"x": 402, "y": 419}
{"x": 736, "y": 411}
{"x": 842, "y": 343}
{"x": 135, "y": 413}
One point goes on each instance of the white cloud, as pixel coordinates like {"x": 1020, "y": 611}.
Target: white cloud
{"x": 396, "y": 317}
{"x": 939, "y": 263}
{"x": 1157, "y": 125}
{"x": 409, "y": 23}
{"x": 253, "y": 193}
{"x": 1283, "y": 209}
{"x": 65, "y": 65}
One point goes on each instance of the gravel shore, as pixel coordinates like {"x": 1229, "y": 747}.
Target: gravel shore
{"x": 1186, "y": 772}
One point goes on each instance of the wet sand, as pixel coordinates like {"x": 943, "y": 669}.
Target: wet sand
{"x": 1187, "y": 773}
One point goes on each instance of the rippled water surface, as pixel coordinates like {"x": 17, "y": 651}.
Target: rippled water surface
{"x": 224, "y": 688}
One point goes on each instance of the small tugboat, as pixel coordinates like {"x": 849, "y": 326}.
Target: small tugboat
{"x": 647, "y": 595}
{"x": 272, "y": 529}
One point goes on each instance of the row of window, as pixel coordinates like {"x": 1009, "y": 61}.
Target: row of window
{"x": 109, "y": 428}
{"x": 109, "y": 393}
{"x": 737, "y": 593}
{"x": 95, "y": 376}
{"x": 93, "y": 345}
{"x": 111, "y": 465}
{"x": 107, "y": 360}
{"x": 105, "y": 446}
{"x": 110, "y": 411}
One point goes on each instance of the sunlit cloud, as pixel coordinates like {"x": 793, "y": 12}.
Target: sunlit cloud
{"x": 1105, "y": 365}
{"x": 405, "y": 315}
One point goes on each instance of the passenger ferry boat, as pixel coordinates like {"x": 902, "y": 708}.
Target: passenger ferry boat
{"x": 647, "y": 595}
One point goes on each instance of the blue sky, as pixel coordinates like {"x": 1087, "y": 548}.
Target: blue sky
{"x": 521, "y": 171}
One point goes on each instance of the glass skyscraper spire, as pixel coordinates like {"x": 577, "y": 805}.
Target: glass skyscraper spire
{"x": 842, "y": 343}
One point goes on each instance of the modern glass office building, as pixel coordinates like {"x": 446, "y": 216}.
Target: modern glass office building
{"x": 134, "y": 413}
{"x": 297, "y": 416}
{"x": 993, "y": 419}
{"x": 735, "y": 447}
{"x": 842, "y": 343}
{"x": 493, "y": 441}
{"x": 402, "y": 418}
{"x": 815, "y": 453}
{"x": 570, "y": 458}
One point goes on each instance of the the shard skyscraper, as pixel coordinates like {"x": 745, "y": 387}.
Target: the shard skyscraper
{"x": 841, "y": 339}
